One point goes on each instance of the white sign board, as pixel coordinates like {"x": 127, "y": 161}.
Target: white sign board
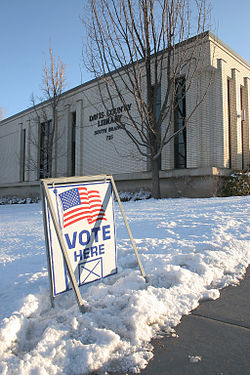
{"x": 85, "y": 215}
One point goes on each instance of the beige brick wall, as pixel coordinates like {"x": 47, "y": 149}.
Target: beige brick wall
{"x": 235, "y": 69}
{"x": 10, "y": 149}
{"x": 104, "y": 148}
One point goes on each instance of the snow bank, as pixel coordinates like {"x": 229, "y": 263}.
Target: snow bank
{"x": 190, "y": 248}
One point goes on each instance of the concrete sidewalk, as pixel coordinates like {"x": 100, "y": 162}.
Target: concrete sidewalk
{"x": 216, "y": 335}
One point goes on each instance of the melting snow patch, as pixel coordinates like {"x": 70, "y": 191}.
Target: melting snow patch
{"x": 194, "y": 358}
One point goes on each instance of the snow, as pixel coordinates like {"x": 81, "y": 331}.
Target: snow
{"x": 190, "y": 248}
{"x": 194, "y": 358}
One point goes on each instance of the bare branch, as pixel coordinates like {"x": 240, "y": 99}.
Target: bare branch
{"x": 53, "y": 83}
{"x": 138, "y": 47}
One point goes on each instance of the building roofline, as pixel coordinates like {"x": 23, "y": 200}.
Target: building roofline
{"x": 82, "y": 85}
{"x": 38, "y": 105}
{"x": 226, "y": 46}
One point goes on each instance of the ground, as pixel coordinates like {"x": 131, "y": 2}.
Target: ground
{"x": 190, "y": 249}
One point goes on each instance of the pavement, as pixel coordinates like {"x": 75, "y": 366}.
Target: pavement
{"x": 213, "y": 340}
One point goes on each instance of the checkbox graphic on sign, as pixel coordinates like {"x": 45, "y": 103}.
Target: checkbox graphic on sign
{"x": 90, "y": 271}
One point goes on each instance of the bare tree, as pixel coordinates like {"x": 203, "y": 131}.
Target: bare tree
{"x": 46, "y": 114}
{"x": 139, "y": 48}
{"x": 2, "y": 112}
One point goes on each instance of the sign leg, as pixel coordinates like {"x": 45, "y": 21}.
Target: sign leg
{"x": 63, "y": 247}
{"x": 52, "y": 297}
{"x": 128, "y": 229}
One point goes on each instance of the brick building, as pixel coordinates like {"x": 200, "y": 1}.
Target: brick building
{"x": 216, "y": 140}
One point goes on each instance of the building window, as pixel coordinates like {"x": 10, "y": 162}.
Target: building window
{"x": 158, "y": 103}
{"x": 179, "y": 123}
{"x": 229, "y": 124}
{"x": 23, "y": 154}
{"x": 157, "y": 113}
{"x": 45, "y": 153}
{"x": 73, "y": 143}
{"x": 244, "y": 136}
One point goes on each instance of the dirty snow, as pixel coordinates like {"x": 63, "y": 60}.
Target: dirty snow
{"x": 190, "y": 248}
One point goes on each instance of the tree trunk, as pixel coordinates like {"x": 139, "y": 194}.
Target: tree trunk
{"x": 156, "y": 193}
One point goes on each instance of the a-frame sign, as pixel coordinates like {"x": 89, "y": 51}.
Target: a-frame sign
{"x": 79, "y": 231}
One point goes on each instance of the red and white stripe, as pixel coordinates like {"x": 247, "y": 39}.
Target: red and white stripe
{"x": 91, "y": 208}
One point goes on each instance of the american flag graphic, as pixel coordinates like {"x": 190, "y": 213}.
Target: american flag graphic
{"x": 81, "y": 203}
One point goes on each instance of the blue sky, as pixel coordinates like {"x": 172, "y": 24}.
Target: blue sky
{"x": 27, "y": 26}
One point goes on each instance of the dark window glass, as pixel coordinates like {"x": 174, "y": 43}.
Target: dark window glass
{"x": 157, "y": 112}
{"x": 179, "y": 123}
{"x": 229, "y": 123}
{"x": 23, "y": 153}
{"x": 158, "y": 103}
{"x": 242, "y": 128}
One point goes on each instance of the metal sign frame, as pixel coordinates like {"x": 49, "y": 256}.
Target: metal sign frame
{"x": 46, "y": 199}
